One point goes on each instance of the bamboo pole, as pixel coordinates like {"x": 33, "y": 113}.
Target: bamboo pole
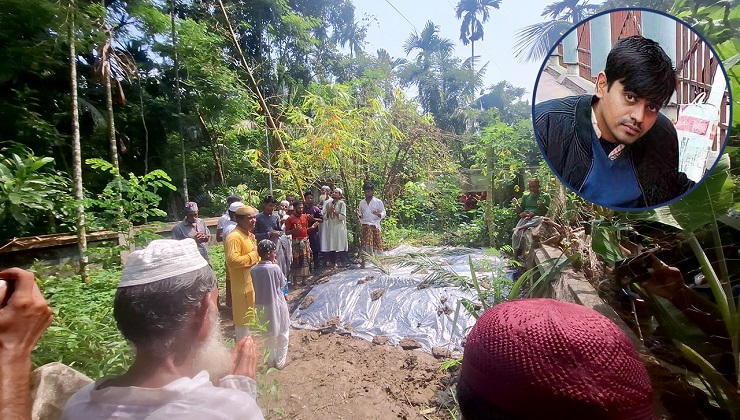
{"x": 489, "y": 197}
{"x": 260, "y": 98}
{"x": 179, "y": 104}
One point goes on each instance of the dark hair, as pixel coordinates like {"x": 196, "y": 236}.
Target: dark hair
{"x": 475, "y": 407}
{"x": 264, "y": 247}
{"x": 297, "y": 203}
{"x": 307, "y": 193}
{"x": 643, "y": 68}
{"x": 232, "y": 199}
{"x": 269, "y": 199}
{"x": 368, "y": 187}
{"x": 153, "y": 316}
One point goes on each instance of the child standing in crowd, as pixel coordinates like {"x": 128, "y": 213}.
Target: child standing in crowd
{"x": 270, "y": 304}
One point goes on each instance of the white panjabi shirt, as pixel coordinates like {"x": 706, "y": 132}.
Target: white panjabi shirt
{"x": 228, "y": 227}
{"x": 365, "y": 211}
{"x": 185, "y": 398}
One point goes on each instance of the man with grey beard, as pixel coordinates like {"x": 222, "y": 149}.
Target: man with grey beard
{"x": 166, "y": 307}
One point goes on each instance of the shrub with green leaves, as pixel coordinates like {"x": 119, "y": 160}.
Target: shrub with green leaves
{"x": 83, "y": 335}
{"x": 503, "y": 221}
{"x": 138, "y": 200}
{"x": 30, "y": 190}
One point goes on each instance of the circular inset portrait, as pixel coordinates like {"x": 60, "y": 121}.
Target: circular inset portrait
{"x": 631, "y": 109}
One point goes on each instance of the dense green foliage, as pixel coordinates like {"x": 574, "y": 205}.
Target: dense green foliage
{"x": 340, "y": 118}
{"x": 84, "y": 334}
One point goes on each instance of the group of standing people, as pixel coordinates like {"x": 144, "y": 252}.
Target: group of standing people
{"x": 254, "y": 272}
{"x": 263, "y": 249}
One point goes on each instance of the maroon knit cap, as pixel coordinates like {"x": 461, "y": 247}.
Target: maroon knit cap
{"x": 541, "y": 358}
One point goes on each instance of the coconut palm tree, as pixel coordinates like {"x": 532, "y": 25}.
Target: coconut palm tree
{"x": 353, "y": 34}
{"x": 532, "y": 43}
{"x": 76, "y": 148}
{"x": 421, "y": 72}
{"x": 428, "y": 42}
{"x": 471, "y": 29}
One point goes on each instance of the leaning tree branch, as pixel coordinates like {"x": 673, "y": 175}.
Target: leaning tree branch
{"x": 260, "y": 98}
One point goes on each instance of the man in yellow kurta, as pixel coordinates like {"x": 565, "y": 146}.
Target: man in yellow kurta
{"x": 241, "y": 255}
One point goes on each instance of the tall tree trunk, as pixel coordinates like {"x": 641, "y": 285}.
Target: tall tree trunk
{"x": 106, "y": 56}
{"x": 146, "y": 130}
{"x": 179, "y": 104}
{"x": 489, "y": 197}
{"x": 107, "y": 74}
{"x": 472, "y": 50}
{"x": 76, "y": 150}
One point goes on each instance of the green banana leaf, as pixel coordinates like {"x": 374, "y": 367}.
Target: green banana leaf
{"x": 710, "y": 200}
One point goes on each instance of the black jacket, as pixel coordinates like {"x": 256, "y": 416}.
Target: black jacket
{"x": 563, "y": 128}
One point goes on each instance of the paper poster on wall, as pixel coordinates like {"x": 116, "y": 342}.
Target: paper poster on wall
{"x": 697, "y": 132}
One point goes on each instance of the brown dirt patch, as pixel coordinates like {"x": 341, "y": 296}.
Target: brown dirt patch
{"x": 336, "y": 377}
{"x": 332, "y": 376}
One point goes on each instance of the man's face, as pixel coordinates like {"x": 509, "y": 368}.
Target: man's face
{"x": 191, "y": 216}
{"x": 298, "y": 210}
{"x": 269, "y": 208}
{"x": 368, "y": 194}
{"x": 247, "y": 222}
{"x": 308, "y": 199}
{"x": 335, "y": 195}
{"x": 534, "y": 187}
{"x": 622, "y": 116}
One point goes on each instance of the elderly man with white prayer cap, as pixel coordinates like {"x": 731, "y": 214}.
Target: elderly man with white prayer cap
{"x": 165, "y": 306}
{"x": 194, "y": 227}
{"x": 325, "y": 195}
{"x": 334, "y": 242}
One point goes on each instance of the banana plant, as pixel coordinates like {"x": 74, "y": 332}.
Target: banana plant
{"x": 698, "y": 211}
{"x": 27, "y": 188}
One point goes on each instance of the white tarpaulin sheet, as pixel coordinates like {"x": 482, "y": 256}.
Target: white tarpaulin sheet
{"x": 427, "y": 315}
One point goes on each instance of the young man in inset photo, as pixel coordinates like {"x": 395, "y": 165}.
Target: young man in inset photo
{"x": 615, "y": 148}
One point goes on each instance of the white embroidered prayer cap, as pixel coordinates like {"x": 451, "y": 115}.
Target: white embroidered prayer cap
{"x": 161, "y": 259}
{"x": 235, "y": 206}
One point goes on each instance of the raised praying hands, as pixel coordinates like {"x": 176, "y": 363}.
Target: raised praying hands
{"x": 244, "y": 358}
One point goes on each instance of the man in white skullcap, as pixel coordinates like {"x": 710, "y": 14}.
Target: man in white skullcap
{"x": 165, "y": 306}
{"x": 226, "y": 217}
{"x": 231, "y": 224}
{"x": 325, "y": 195}
{"x": 334, "y": 244}
{"x": 193, "y": 227}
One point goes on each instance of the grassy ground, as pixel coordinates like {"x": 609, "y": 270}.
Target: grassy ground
{"x": 84, "y": 334}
